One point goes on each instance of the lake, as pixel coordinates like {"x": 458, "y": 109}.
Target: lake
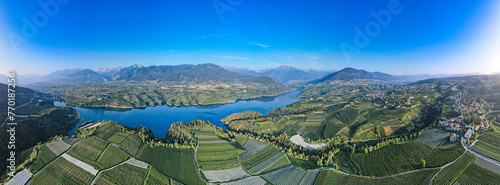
{"x": 159, "y": 118}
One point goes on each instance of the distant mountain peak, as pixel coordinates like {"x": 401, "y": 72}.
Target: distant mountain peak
{"x": 350, "y": 73}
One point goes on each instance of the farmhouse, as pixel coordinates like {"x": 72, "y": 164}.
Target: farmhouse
{"x": 454, "y": 137}
{"x": 469, "y": 133}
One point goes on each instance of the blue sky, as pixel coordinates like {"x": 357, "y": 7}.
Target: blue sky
{"x": 420, "y": 37}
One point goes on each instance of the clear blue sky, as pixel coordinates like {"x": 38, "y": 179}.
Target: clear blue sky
{"x": 422, "y": 36}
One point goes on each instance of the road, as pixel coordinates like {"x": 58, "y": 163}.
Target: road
{"x": 478, "y": 155}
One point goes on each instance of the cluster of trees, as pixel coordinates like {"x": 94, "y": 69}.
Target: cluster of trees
{"x": 33, "y": 130}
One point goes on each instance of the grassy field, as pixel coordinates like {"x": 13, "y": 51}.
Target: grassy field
{"x": 131, "y": 145}
{"x": 112, "y": 156}
{"x": 475, "y": 174}
{"x": 122, "y": 174}
{"x": 44, "y": 157}
{"x": 154, "y": 177}
{"x": 62, "y": 172}
{"x": 433, "y": 137}
{"x": 175, "y": 163}
{"x": 451, "y": 173}
{"x": 88, "y": 150}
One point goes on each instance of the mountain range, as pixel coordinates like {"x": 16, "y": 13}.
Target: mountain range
{"x": 354, "y": 74}
{"x": 285, "y": 74}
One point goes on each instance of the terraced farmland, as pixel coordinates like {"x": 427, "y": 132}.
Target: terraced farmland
{"x": 62, "y": 172}
{"x": 122, "y": 174}
{"x": 330, "y": 177}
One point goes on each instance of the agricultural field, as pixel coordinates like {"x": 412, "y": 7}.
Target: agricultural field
{"x": 118, "y": 137}
{"x": 451, "y": 173}
{"x": 330, "y": 177}
{"x": 255, "y": 180}
{"x": 111, "y": 157}
{"x": 62, "y": 172}
{"x": 487, "y": 150}
{"x": 45, "y": 156}
{"x": 131, "y": 145}
{"x": 309, "y": 178}
{"x": 172, "y": 162}
{"x": 487, "y": 165}
{"x": 122, "y": 174}
{"x": 263, "y": 158}
{"x": 217, "y": 156}
{"x": 89, "y": 150}
{"x": 106, "y": 130}
{"x": 476, "y": 174}
{"x": 285, "y": 176}
{"x": 444, "y": 154}
{"x": 155, "y": 177}
{"x": 488, "y": 145}
{"x": 58, "y": 147}
{"x": 279, "y": 160}
{"x": 389, "y": 160}
{"x": 433, "y": 137}
{"x": 413, "y": 178}
{"x": 225, "y": 175}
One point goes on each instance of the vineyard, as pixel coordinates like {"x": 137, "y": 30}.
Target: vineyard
{"x": 155, "y": 177}
{"x": 475, "y": 174}
{"x": 118, "y": 137}
{"x": 285, "y": 176}
{"x": 217, "y": 156}
{"x": 62, "y": 172}
{"x": 122, "y": 174}
{"x": 451, "y": 173}
{"x": 44, "y": 157}
{"x": 111, "y": 157}
{"x": 131, "y": 145}
{"x": 88, "y": 150}
{"x": 175, "y": 163}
